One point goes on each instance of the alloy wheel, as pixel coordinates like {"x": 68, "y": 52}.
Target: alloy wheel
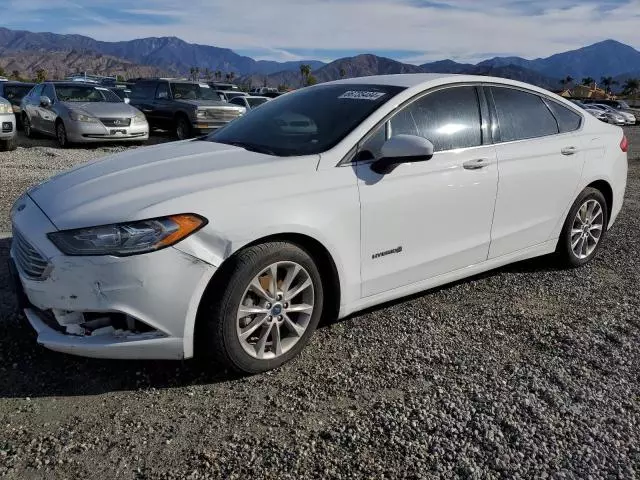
{"x": 587, "y": 228}
{"x": 275, "y": 310}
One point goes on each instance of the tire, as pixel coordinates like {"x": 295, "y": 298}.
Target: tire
{"x": 220, "y": 329}
{"x": 8, "y": 145}
{"x": 26, "y": 126}
{"x": 61, "y": 135}
{"x": 182, "y": 128}
{"x": 571, "y": 245}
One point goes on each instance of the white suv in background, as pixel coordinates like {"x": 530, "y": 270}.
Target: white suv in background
{"x": 330, "y": 200}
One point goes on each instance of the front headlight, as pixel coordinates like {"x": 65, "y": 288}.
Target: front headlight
{"x": 201, "y": 114}
{"x": 6, "y": 108}
{"x": 130, "y": 238}
{"x": 81, "y": 117}
{"x": 139, "y": 119}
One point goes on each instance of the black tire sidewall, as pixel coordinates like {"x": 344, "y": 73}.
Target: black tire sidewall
{"x": 233, "y": 351}
{"x": 27, "y": 127}
{"x": 565, "y": 238}
{"x": 186, "y": 128}
{"x": 66, "y": 140}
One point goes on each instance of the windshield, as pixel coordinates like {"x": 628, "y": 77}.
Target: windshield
{"x": 85, "y": 93}
{"x": 14, "y": 93}
{"x": 254, "y": 102}
{"x": 305, "y": 122}
{"x": 193, "y": 91}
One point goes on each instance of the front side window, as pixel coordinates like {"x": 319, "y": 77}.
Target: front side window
{"x": 193, "y": 91}
{"x": 568, "y": 120}
{"x": 37, "y": 91}
{"x": 448, "y": 118}
{"x": 15, "y": 93}
{"x": 85, "y": 93}
{"x": 49, "y": 92}
{"x": 308, "y": 121}
{"x": 162, "y": 92}
{"x": 522, "y": 115}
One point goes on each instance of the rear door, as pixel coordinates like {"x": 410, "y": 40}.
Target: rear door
{"x": 142, "y": 97}
{"x": 162, "y": 105}
{"x": 540, "y": 160}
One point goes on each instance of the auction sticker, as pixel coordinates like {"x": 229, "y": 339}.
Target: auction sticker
{"x": 362, "y": 95}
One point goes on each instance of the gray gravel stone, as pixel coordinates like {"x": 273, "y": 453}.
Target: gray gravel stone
{"x": 525, "y": 372}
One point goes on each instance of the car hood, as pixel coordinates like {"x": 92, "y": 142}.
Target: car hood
{"x": 206, "y": 103}
{"x": 133, "y": 184}
{"x": 103, "y": 109}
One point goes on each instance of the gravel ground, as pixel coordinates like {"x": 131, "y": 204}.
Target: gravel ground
{"x": 525, "y": 372}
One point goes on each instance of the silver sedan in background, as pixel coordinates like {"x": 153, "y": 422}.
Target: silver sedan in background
{"x": 77, "y": 112}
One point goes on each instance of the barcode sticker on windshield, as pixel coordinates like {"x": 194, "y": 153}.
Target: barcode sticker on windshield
{"x": 362, "y": 95}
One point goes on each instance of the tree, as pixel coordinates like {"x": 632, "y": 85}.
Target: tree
{"x": 305, "y": 71}
{"x": 15, "y": 75}
{"x": 207, "y": 74}
{"x": 569, "y": 79}
{"x": 119, "y": 78}
{"x": 232, "y": 75}
{"x": 41, "y": 75}
{"x": 631, "y": 86}
{"x": 218, "y": 75}
{"x": 311, "y": 80}
{"x": 608, "y": 82}
{"x": 2, "y": 74}
{"x": 343, "y": 73}
{"x": 588, "y": 81}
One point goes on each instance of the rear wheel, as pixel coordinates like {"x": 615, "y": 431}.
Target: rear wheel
{"x": 267, "y": 310}
{"x": 8, "y": 145}
{"x": 584, "y": 228}
{"x": 183, "y": 128}
{"x": 26, "y": 126}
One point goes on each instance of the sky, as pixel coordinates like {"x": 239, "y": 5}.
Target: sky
{"x": 413, "y": 31}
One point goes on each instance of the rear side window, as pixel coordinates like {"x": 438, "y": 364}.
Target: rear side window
{"x": 568, "y": 120}
{"x": 162, "y": 92}
{"x": 143, "y": 91}
{"x": 522, "y": 115}
{"x": 449, "y": 118}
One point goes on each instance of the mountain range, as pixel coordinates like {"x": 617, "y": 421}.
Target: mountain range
{"x": 62, "y": 54}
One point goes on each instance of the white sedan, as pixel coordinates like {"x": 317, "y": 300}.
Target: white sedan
{"x": 321, "y": 203}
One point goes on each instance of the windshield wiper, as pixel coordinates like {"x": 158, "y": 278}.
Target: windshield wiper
{"x": 252, "y": 147}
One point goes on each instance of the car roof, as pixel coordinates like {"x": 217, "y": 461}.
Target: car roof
{"x": 25, "y": 84}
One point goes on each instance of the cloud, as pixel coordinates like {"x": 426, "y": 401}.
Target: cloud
{"x": 431, "y": 30}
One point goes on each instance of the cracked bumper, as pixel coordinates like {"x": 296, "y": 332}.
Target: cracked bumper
{"x": 162, "y": 290}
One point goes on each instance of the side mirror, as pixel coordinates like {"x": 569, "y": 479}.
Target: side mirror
{"x": 45, "y": 101}
{"x": 402, "y": 149}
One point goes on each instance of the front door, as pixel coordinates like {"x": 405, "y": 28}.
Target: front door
{"x": 429, "y": 218}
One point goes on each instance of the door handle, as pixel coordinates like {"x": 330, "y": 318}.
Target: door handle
{"x": 568, "y": 150}
{"x": 476, "y": 164}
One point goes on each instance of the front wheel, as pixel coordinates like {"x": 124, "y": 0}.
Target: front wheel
{"x": 183, "y": 128}
{"x": 584, "y": 228}
{"x": 267, "y": 310}
{"x": 26, "y": 126}
{"x": 8, "y": 145}
{"x": 61, "y": 135}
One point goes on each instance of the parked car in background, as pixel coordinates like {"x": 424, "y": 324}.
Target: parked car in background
{"x": 236, "y": 244}
{"x": 261, "y": 91}
{"x": 619, "y": 117}
{"x": 187, "y": 108}
{"x": 223, "y": 86}
{"x": 14, "y": 92}
{"x": 249, "y": 102}
{"x": 599, "y": 114}
{"x": 7, "y": 126}
{"x": 79, "y": 112}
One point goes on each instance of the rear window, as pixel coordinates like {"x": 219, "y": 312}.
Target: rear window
{"x": 568, "y": 120}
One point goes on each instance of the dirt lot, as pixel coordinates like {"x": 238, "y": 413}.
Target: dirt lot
{"x": 525, "y": 372}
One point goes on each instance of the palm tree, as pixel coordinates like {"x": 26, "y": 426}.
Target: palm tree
{"x": 15, "y": 75}
{"x": 232, "y": 75}
{"x": 197, "y": 74}
{"x": 608, "y": 82}
{"x": 41, "y": 75}
{"x": 305, "y": 71}
{"x": 569, "y": 79}
{"x": 588, "y": 81}
{"x": 631, "y": 86}
{"x": 207, "y": 73}
{"x": 218, "y": 75}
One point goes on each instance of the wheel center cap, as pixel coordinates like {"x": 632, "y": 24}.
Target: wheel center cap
{"x": 276, "y": 309}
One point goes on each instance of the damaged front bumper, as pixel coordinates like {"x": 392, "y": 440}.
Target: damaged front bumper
{"x": 137, "y": 307}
